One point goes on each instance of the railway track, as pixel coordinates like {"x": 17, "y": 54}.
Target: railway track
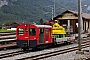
{"x": 85, "y": 44}
{"x": 7, "y": 40}
{"x": 12, "y": 54}
{"x": 5, "y": 34}
{"x": 42, "y": 56}
{"x": 7, "y": 37}
{"x": 21, "y": 52}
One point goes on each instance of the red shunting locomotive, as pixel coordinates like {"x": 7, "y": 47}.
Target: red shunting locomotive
{"x": 30, "y": 36}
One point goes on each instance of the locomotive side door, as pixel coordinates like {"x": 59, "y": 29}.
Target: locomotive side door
{"x": 47, "y": 35}
{"x": 41, "y": 35}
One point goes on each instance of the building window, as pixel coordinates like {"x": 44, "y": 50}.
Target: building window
{"x": 88, "y": 24}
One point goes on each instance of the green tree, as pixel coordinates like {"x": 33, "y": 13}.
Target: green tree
{"x": 41, "y": 21}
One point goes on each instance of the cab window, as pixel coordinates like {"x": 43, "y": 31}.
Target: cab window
{"x": 41, "y": 30}
{"x": 32, "y": 31}
{"x": 20, "y": 31}
{"x": 47, "y": 31}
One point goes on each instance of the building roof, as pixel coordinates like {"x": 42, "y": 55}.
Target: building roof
{"x": 84, "y": 15}
{"x": 11, "y": 23}
{"x": 50, "y": 22}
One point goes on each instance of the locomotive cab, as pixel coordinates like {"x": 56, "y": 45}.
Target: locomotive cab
{"x": 58, "y": 31}
{"x": 30, "y": 36}
{"x": 59, "y": 34}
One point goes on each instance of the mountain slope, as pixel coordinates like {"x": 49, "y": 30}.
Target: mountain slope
{"x": 33, "y": 10}
{"x": 24, "y": 10}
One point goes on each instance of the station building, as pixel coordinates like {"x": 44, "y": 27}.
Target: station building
{"x": 69, "y": 19}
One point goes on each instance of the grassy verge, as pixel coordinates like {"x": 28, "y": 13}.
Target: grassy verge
{"x": 4, "y": 30}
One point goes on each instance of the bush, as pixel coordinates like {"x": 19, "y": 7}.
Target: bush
{"x": 0, "y": 27}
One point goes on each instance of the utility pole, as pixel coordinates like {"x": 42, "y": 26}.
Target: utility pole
{"x": 53, "y": 10}
{"x": 54, "y": 7}
{"x": 52, "y": 13}
{"x": 79, "y": 26}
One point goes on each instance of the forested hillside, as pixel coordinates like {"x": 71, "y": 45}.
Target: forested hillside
{"x": 33, "y": 10}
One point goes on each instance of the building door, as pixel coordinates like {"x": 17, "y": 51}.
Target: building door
{"x": 85, "y": 26}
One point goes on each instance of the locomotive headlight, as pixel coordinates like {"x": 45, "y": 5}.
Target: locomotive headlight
{"x": 25, "y": 24}
{"x": 34, "y": 38}
{"x": 46, "y": 41}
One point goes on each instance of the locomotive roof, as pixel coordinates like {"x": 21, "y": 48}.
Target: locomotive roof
{"x": 38, "y": 26}
{"x": 42, "y": 26}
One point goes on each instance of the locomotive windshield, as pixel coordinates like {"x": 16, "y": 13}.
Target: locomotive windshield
{"x": 32, "y": 31}
{"x": 20, "y": 31}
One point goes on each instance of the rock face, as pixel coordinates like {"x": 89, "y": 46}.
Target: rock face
{"x": 6, "y": 2}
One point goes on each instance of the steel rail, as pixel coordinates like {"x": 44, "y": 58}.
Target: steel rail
{"x": 5, "y": 34}
{"x": 39, "y": 56}
{"x": 12, "y": 54}
{"x": 53, "y": 53}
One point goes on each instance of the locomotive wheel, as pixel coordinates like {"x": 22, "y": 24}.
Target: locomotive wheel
{"x": 66, "y": 42}
{"x": 23, "y": 49}
{"x": 33, "y": 49}
{"x": 42, "y": 47}
{"x": 55, "y": 43}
